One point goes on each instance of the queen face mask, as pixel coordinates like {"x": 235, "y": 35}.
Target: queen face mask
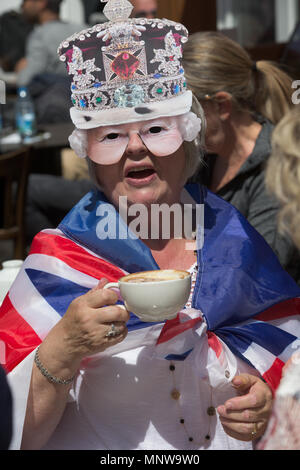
{"x": 162, "y": 137}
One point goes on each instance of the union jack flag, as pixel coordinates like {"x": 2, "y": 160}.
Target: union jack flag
{"x": 243, "y": 301}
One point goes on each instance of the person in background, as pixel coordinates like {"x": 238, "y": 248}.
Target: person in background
{"x": 144, "y": 8}
{"x": 283, "y": 180}
{"x": 14, "y": 31}
{"x": 41, "y": 71}
{"x": 49, "y": 199}
{"x": 92, "y": 9}
{"x": 5, "y": 412}
{"x": 242, "y": 101}
{"x": 41, "y": 57}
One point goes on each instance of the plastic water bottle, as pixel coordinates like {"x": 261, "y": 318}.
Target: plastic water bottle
{"x": 7, "y": 276}
{"x": 25, "y": 114}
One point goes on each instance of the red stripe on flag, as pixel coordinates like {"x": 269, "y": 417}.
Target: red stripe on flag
{"x": 74, "y": 256}
{"x": 288, "y": 308}
{"x": 273, "y": 375}
{"x": 16, "y": 334}
{"x": 214, "y": 343}
{"x": 174, "y": 328}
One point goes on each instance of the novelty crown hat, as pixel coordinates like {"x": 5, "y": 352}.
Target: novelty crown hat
{"x": 130, "y": 69}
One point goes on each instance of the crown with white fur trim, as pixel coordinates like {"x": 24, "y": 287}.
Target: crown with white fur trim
{"x": 128, "y": 68}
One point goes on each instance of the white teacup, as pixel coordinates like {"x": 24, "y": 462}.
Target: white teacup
{"x": 154, "y": 295}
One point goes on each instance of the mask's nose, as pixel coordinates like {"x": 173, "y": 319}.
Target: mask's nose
{"x": 136, "y": 145}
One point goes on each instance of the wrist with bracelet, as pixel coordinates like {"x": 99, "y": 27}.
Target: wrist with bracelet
{"x": 51, "y": 378}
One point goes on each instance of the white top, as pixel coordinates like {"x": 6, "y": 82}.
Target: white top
{"x": 117, "y": 407}
{"x": 121, "y": 399}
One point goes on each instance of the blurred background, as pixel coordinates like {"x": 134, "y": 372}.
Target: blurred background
{"x": 261, "y": 25}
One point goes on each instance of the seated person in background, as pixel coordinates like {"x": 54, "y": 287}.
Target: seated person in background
{"x": 41, "y": 70}
{"x": 41, "y": 51}
{"x": 49, "y": 199}
{"x": 144, "y": 8}
{"x": 283, "y": 180}
{"x": 93, "y": 375}
{"x": 242, "y": 101}
{"x": 14, "y": 31}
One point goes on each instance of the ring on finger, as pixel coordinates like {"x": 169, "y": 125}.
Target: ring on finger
{"x": 113, "y": 331}
{"x": 254, "y": 432}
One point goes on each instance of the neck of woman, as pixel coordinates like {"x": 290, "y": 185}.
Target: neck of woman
{"x": 241, "y": 133}
{"x": 174, "y": 253}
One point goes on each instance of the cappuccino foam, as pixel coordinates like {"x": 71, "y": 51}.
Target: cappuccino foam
{"x": 155, "y": 276}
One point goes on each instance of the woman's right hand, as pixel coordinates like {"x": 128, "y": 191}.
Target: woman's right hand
{"x": 83, "y": 329}
{"x": 81, "y": 332}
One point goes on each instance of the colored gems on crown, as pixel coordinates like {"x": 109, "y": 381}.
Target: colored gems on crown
{"x": 129, "y": 96}
{"x": 124, "y": 63}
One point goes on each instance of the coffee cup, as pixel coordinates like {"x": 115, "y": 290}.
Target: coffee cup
{"x": 154, "y": 296}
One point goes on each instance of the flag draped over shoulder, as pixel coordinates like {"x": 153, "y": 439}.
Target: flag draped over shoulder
{"x": 248, "y": 303}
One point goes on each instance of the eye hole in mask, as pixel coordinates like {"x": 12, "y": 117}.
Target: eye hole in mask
{"x": 112, "y": 136}
{"x": 161, "y": 138}
{"x": 155, "y": 129}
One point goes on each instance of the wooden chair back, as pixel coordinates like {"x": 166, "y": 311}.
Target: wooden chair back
{"x": 14, "y": 171}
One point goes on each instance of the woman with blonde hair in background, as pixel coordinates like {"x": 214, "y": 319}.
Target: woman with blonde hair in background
{"x": 283, "y": 180}
{"x": 242, "y": 101}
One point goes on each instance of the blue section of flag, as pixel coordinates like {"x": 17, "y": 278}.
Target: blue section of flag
{"x": 94, "y": 214}
{"x": 240, "y": 274}
{"x": 266, "y": 335}
{"x": 57, "y": 291}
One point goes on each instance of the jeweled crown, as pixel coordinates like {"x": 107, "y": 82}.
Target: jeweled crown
{"x": 127, "y": 67}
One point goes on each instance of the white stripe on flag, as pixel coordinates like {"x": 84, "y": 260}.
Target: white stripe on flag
{"x": 289, "y": 324}
{"x": 55, "y": 266}
{"x": 30, "y": 305}
{"x": 59, "y": 233}
{"x": 259, "y": 357}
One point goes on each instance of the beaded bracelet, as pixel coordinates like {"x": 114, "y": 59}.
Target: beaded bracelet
{"x": 47, "y": 374}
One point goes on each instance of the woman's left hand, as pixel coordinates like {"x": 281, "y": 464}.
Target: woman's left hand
{"x": 245, "y": 417}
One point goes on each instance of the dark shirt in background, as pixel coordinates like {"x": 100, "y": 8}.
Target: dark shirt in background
{"x": 14, "y": 31}
{"x": 247, "y": 193}
{"x": 5, "y": 412}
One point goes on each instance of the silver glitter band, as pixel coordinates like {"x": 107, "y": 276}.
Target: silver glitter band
{"x": 47, "y": 374}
